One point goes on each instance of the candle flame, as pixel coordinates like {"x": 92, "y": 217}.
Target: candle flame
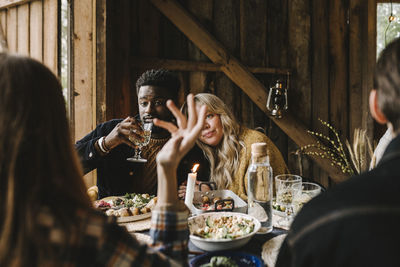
{"x": 195, "y": 166}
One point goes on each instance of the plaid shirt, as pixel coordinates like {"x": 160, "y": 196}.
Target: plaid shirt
{"x": 99, "y": 241}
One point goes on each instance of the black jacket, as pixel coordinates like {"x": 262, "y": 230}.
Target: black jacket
{"x": 114, "y": 172}
{"x": 355, "y": 223}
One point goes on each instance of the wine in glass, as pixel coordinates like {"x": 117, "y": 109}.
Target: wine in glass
{"x": 141, "y": 142}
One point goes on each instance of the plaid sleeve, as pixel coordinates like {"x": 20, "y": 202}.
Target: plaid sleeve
{"x": 169, "y": 231}
{"x": 120, "y": 249}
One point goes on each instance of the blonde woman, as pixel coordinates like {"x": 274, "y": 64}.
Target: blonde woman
{"x": 227, "y": 146}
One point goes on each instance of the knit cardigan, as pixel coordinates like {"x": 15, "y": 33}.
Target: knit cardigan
{"x": 248, "y": 137}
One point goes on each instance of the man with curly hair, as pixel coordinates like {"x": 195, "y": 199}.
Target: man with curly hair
{"x": 107, "y": 147}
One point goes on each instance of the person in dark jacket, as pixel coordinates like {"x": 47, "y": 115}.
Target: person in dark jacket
{"x": 356, "y": 223}
{"x": 107, "y": 147}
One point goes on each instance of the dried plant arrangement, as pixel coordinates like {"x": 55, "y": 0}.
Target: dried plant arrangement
{"x": 362, "y": 152}
{"x": 350, "y": 159}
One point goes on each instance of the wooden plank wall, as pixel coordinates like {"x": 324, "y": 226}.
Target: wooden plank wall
{"x": 31, "y": 28}
{"x": 325, "y": 43}
{"x": 83, "y": 80}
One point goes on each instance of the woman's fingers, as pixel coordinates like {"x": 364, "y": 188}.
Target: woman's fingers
{"x": 192, "y": 114}
{"x": 180, "y": 118}
{"x": 195, "y": 131}
{"x": 169, "y": 126}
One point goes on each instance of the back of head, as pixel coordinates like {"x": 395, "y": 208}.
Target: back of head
{"x": 387, "y": 83}
{"x": 160, "y": 78}
{"x": 38, "y": 164}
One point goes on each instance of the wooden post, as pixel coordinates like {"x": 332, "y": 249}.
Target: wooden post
{"x": 23, "y": 29}
{"x": 320, "y": 73}
{"x": 12, "y": 30}
{"x": 36, "y": 30}
{"x": 3, "y": 31}
{"x": 239, "y": 74}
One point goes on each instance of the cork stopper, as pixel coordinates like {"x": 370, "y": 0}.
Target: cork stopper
{"x": 259, "y": 148}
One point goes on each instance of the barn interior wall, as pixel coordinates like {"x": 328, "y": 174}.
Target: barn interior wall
{"x": 327, "y": 45}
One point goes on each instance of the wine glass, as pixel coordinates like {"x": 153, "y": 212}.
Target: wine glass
{"x": 288, "y": 189}
{"x": 141, "y": 142}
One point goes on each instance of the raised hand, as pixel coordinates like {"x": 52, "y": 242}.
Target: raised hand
{"x": 183, "y": 135}
{"x": 183, "y": 138}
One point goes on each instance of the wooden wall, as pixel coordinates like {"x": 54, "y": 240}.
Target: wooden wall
{"x": 329, "y": 46}
{"x": 31, "y": 28}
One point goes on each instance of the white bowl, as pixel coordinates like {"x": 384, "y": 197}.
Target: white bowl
{"x": 219, "y": 244}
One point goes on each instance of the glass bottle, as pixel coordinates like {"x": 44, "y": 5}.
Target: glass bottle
{"x": 259, "y": 180}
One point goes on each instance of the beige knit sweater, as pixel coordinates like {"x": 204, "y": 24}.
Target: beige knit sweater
{"x": 248, "y": 137}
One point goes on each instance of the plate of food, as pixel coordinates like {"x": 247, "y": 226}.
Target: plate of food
{"x": 278, "y": 209}
{"x": 222, "y": 230}
{"x": 127, "y": 208}
{"x": 226, "y": 258}
{"x": 217, "y": 200}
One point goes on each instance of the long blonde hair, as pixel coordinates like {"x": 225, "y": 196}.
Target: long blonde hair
{"x": 39, "y": 167}
{"x": 225, "y": 156}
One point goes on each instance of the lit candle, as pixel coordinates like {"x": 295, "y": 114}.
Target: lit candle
{"x": 191, "y": 182}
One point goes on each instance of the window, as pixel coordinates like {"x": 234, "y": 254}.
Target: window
{"x": 386, "y": 30}
{"x": 64, "y": 51}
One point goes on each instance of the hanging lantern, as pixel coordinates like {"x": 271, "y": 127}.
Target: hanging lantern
{"x": 277, "y": 101}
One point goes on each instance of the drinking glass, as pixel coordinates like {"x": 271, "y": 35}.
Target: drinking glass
{"x": 308, "y": 191}
{"x": 141, "y": 142}
{"x": 288, "y": 188}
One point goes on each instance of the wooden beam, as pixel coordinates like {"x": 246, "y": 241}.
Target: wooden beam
{"x": 10, "y": 3}
{"x": 239, "y": 74}
{"x": 186, "y": 65}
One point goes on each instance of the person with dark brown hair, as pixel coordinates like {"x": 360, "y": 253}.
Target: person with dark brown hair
{"x": 107, "y": 147}
{"x": 46, "y": 216}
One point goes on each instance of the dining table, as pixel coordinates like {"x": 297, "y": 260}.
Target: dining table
{"x": 254, "y": 246}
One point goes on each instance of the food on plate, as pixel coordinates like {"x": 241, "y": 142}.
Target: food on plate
{"x": 208, "y": 204}
{"x": 278, "y": 207}
{"x": 225, "y": 227}
{"x": 220, "y": 261}
{"x": 131, "y": 204}
{"x": 205, "y": 199}
{"x": 216, "y": 199}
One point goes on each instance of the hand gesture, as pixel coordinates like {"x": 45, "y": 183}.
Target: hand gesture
{"x": 183, "y": 135}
